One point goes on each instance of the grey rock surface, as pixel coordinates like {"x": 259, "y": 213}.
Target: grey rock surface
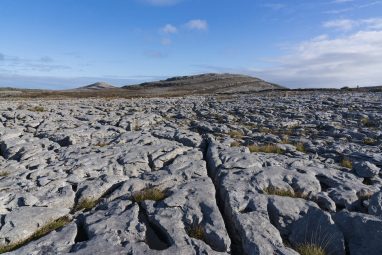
{"x": 362, "y": 232}
{"x": 223, "y": 174}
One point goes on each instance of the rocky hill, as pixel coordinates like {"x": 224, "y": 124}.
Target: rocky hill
{"x": 97, "y": 86}
{"x": 210, "y": 83}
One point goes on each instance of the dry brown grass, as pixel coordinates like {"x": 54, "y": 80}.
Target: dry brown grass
{"x": 196, "y": 231}
{"x": 346, "y": 163}
{"x": 310, "y": 249}
{"x": 39, "y": 233}
{"x": 283, "y": 192}
{"x": 37, "y": 109}
{"x": 153, "y": 194}
{"x": 4, "y": 173}
{"x": 101, "y": 144}
{"x": 367, "y": 123}
{"x": 235, "y": 134}
{"x": 369, "y": 141}
{"x": 235, "y": 144}
{"x": 300, "y": 147}
{"x": 86, "y": 204}
{"x": 269, "y": 148}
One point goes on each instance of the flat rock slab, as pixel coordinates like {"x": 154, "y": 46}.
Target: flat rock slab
{"x": 223, "y": 174}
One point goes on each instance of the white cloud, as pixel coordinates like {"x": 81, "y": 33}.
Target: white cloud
{"x": 154, "y": 54}
{"x": 169, "y": 29}
{"x": 275, "y": 6}
{"x": 375, "y": 23}
{"x": 347, "y": 24}
{"x": 342, "y": 1}
{"x": 166, "y": 41}
{"x": 350, "y": 60}
{"x": 197, "y": 24}
{"x": 161, "y": 2}
{"x": 342, "y": 24}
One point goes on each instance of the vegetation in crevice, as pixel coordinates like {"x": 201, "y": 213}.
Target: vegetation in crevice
{"x": 44, "y": 230}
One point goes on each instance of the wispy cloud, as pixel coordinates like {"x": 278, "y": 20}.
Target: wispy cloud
{"x": 161, "y": 2}
{"x": 353, "y": 59}
{"x": 155, "y": 54}
{"x": 197, "y": 24}
{"x": 351, "y": 5}
{"x": 15, "y": 64}
{"x": 166, "y": 41}
{"x": 275, "y": 6}
{"x": 347, "y": 24}
{"x": 342, "y": 24}
{"x": 169, "y": 29}
{"x": 342, "y": 1}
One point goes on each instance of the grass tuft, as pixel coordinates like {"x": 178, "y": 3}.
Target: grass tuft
{"x": 300, "y": 147}
{"x": 153, "y": 194}
{"x": 235, "y": 134}
{"x": 59, "y": 223}
{"x": 4, "y": 173}
{"x": 310, "y": 249}
{"x": 279, "y": 192}
{"x": 235, "y": 144}
{"x": 283, "y": 192}
{"x": 37, "y": 109}
{"x": 367, "y": 123}
{"x": 100, "y": 144}
{"x": 269, "y": 148}
{"x": 196, "y": 231}
{"x": 369, "y": 141}
{"x": 86, "y": 204}
{"x": 346, "y": 163}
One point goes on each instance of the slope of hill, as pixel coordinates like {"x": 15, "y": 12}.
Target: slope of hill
{"x": 97, "y": 86}
{"x": 205, "y": 84}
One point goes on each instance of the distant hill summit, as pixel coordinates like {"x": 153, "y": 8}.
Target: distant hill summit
{"x": 97, "y": 86}
{"x": 206, "y": 84}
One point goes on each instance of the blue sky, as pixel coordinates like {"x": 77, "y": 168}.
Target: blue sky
{"x": 61, "y": 44}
